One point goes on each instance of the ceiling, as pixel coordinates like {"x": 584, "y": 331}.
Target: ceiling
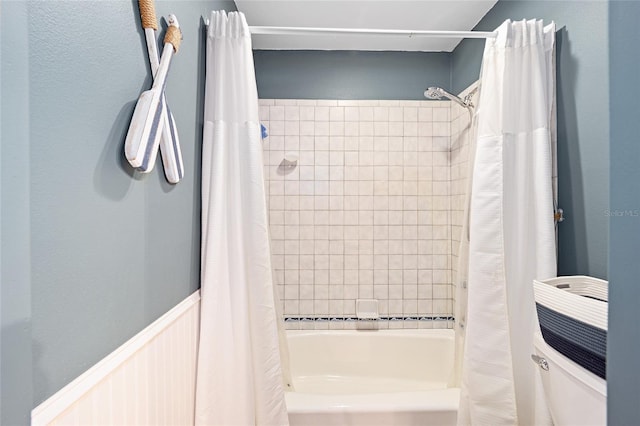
{"x": 451, "y": 15}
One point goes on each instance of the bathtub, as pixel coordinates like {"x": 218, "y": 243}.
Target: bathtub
{"x": 372, "y": 378}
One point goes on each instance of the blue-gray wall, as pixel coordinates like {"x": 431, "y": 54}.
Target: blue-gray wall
{"x": 624, "y": 265}
{"x": 91, "y": 252}
{"x": 285, "y": 74}
{"x": 583, "y": 120}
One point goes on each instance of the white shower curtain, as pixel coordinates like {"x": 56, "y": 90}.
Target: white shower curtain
{"x": 239, "y": 378}
{"x": 512, "y": 238}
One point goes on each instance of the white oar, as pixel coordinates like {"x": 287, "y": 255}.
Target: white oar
{"x": 143, "y": 137}
{"x": 169, "y": 143}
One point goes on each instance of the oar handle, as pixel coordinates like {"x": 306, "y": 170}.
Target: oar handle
{"x": 148, "y": 14}
{"x": 173, "y": 34}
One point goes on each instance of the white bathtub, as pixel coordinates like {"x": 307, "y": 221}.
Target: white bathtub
{"x": 372, "y": 378}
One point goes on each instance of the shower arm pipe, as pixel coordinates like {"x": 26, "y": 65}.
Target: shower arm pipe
{"x": 259, "y": 30}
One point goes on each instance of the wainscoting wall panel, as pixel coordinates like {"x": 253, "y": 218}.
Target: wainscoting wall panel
{"x": 149, "y": 380}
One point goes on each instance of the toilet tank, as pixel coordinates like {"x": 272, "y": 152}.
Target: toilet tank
{"x": 574, "y": 395}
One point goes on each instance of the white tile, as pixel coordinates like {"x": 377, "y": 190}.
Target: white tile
{"x": 410, "y": 128}
{"x": 322, "y": 172}
{"x": 336, "y": 188}
{"x": 306, "y": 144}
{"x": 321, "y": 128}
{"x": 381, "y": 128}
{"x": 381, "y": 114}
{"x": 351, "y": 173}
{"x": 365, "y": 217}
{"x": 336, "y": 261}
{"x": 425, "y": 114}
{"x": 307, "y": 232}
{"x": 307, "y": 128}
{"x": 352, "y": 128}
{"x": 410, "y": 173}
{"x": 381, "y": 143}
{"x": 336, "y": 128}
{"x": 395, "y": 277}
{"x": 365, "y": 291}
{"x": 349, "y": 102}
{"x": 351, "y": 143}
{"x": 321, "y": 143}
{"x": 336, "y": 173}
{"x": 306, "y": 293}
{"x": 352, "y": 113}
{"x": 441, "y": 129}
{"x": 410, "y": 188}
{"x": 307, "y": 173}
{"x": 380, "y": 158}
{"x": 292, "y": 188}
{"x": 395, "y": 114}
{"x": 291, "y": 262}
{"x": 441, "y": 114}
{"x": 307, "y": 113}
{"x": 306, "y": 202}
{"x": 336, "y": 306}
{"x": 321, "y": 217}
{"x": 276, "y": 113}
{"x": 365, "y": 187}
{"x": 321, "y": 113}
{"x": 396, "y": 129}
{"x": 366, "y": 157}
{"x": 336, "y": 277}
{"x": 263, "y": 112}
{"x": 321, "y": 261}
{"x": 396, "y": 158}
{"x": 410, "y": 159}
{"x": 291, "y": 113}
{"x": 410, "y": 114}
{"x": 396, "y": 173}
{"x": 441, "y": 143}
{"x": 425, "y": 143}
{"x": 327, "y": 102}
{"x": 351, "y": 158}
{"x": 292, "y": 143}
{"x": 276, "y": 128}
{"x": 321, "y": 202}
{"x": 336, "y": 143}
{"x": 286, "y": 102}
{"x": 336, "y": 202}
{"x": 336, "y": 113}
{"x": 306, "y": 217}
{"x": 291, "y": 232}
{"x": 322, "y": 158}
{"x": 410, "y": 307}
{"x": 351, "y": 187}
{"x": 366, "y": 128}
{"x": 366, "y": 113}
{"x": 307, "y": 247}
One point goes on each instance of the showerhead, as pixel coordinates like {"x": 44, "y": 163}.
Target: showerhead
{"x": 434, "y": 93}
{"x": 439, "y": 93}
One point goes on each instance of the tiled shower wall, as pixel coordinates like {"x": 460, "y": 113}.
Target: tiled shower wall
{"x": 364, "y": 214}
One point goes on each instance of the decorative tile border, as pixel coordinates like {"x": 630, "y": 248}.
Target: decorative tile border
{"x": 355, "y": 319}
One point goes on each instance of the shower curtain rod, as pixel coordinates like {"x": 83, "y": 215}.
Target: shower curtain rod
{"x": 366, "y": 31}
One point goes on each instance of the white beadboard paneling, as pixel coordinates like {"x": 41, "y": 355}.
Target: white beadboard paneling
{"x": 148, "y": 380}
